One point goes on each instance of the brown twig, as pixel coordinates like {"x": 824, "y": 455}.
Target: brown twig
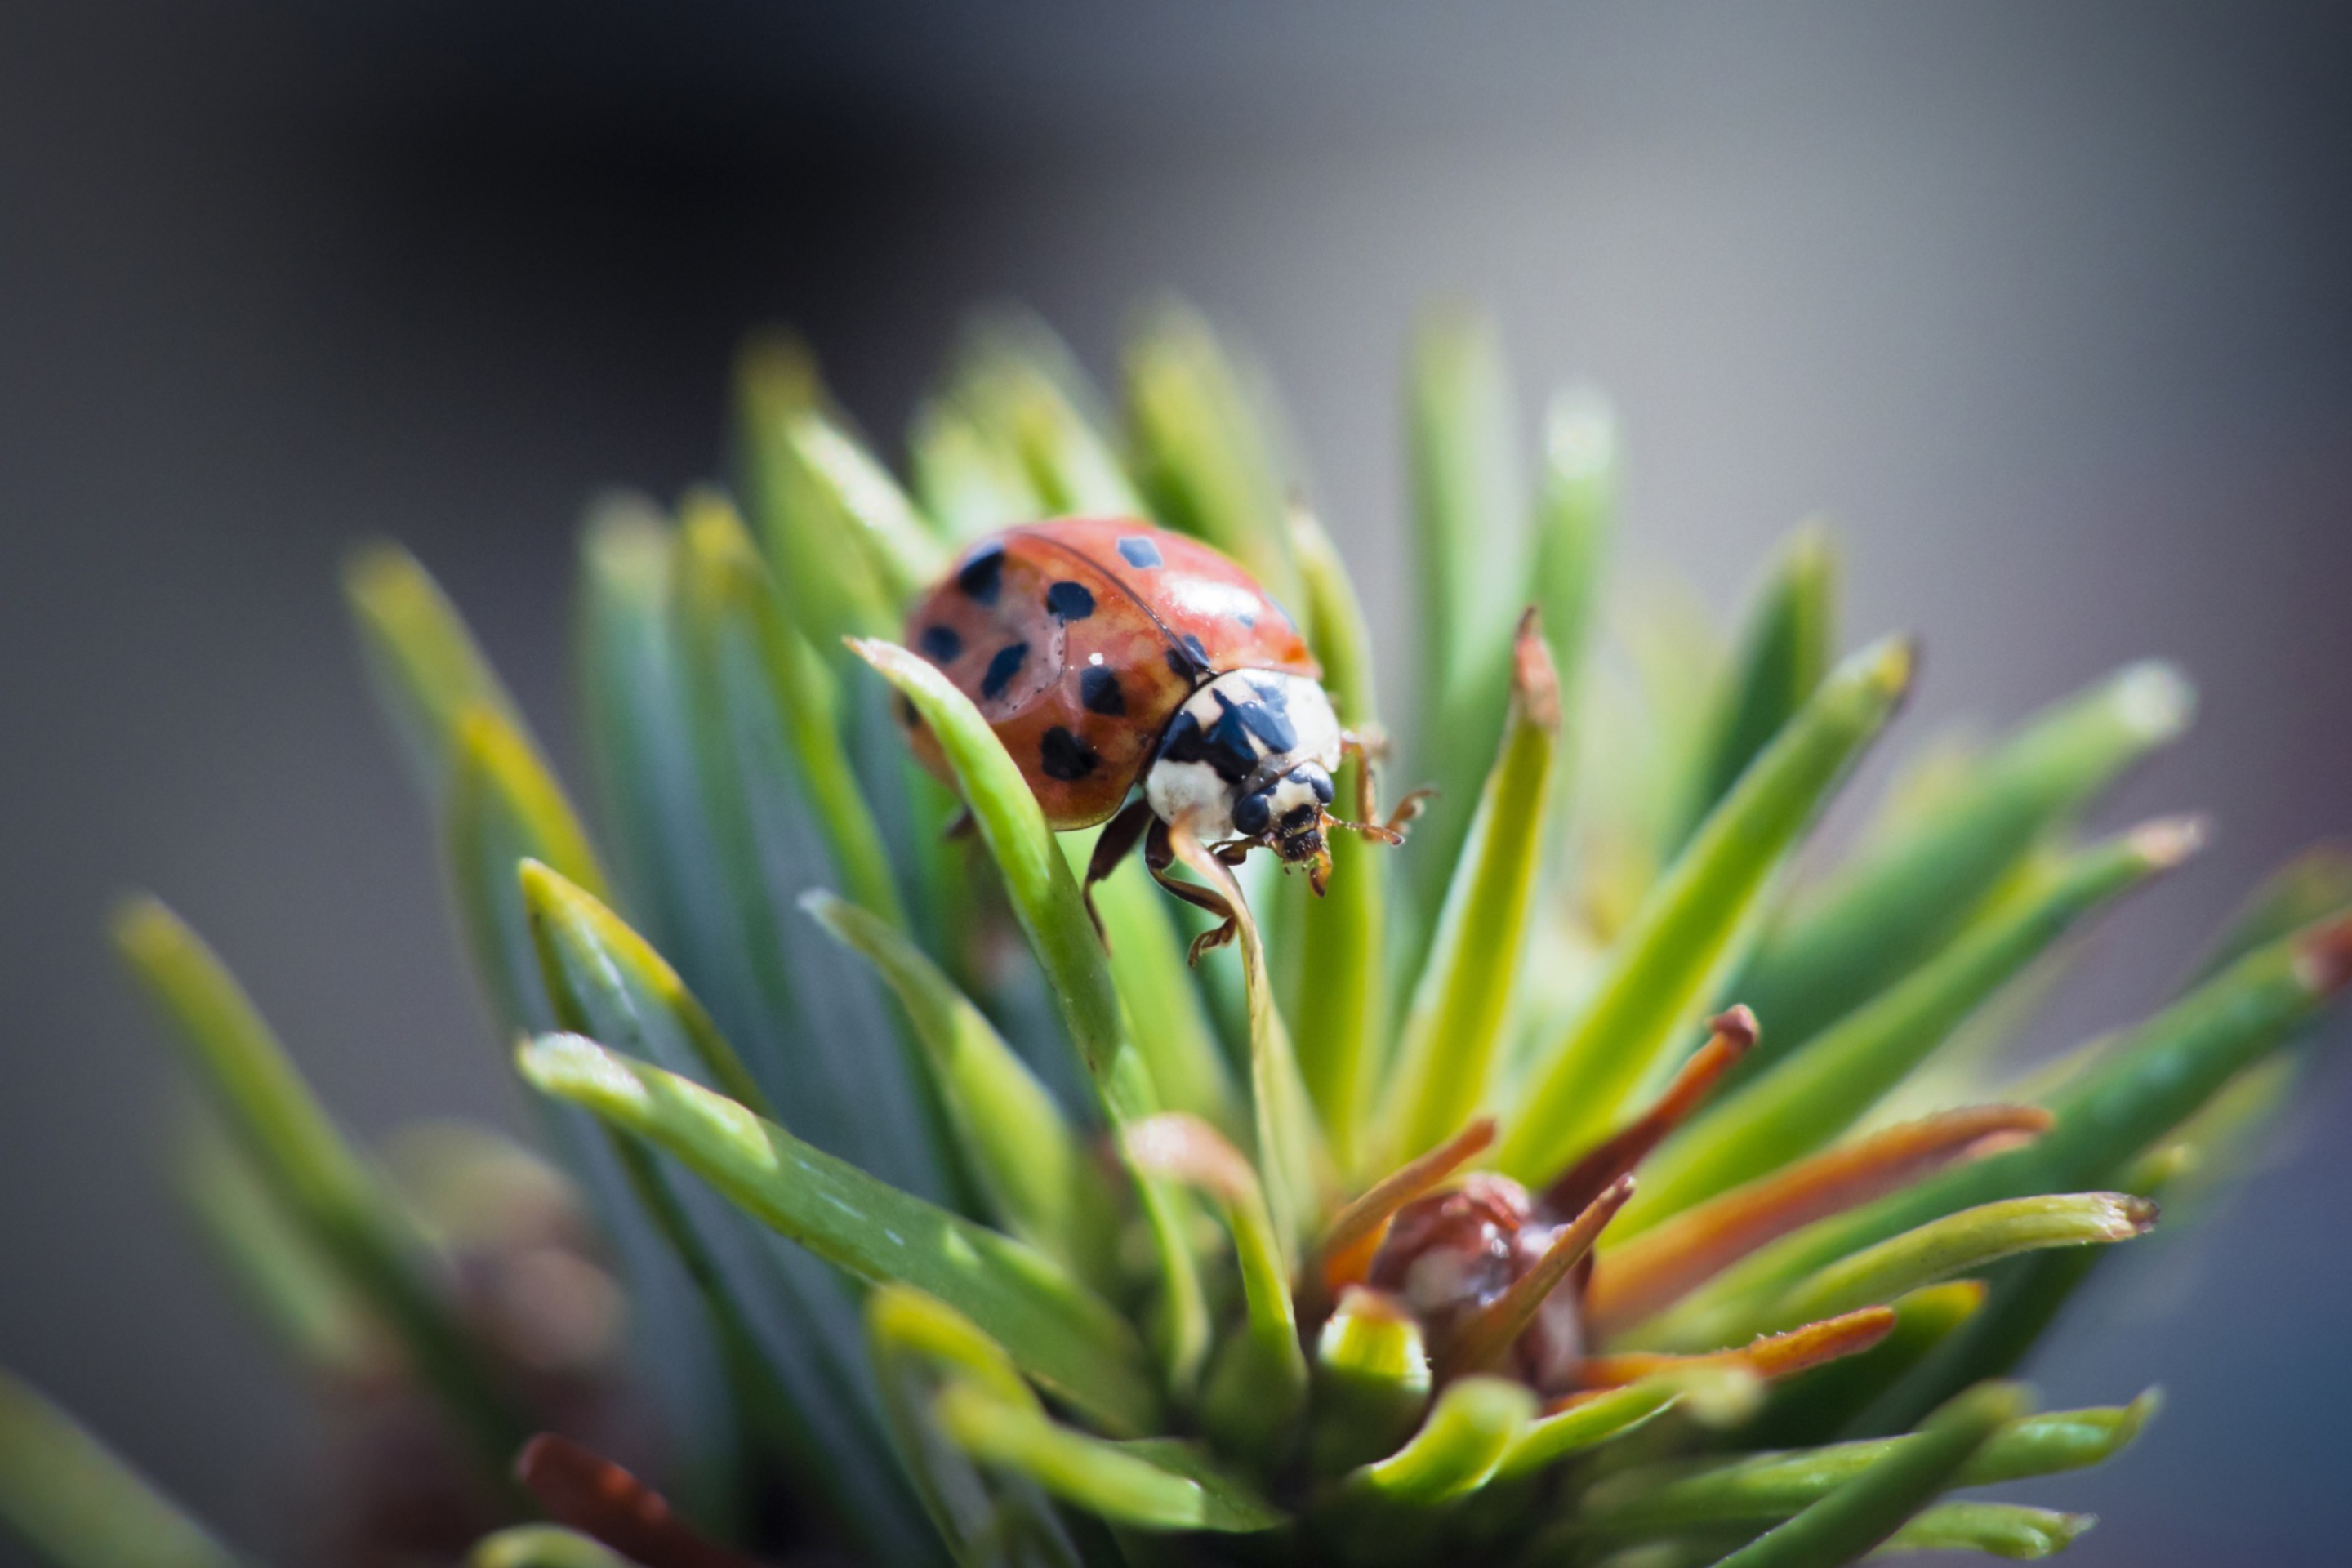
{"x": 1777, "y": 1355}
{"x": 582, "y": 1490}
{"x": 1730, "y": 1036}
{"x": 1657, "y": 1268}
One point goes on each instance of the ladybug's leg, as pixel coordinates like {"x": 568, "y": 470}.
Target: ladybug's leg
{"x": 1367, "y": 748}
{"x": 1408, "y": 808}
{"x": 1117, "y": 840}
{"x": 1364, "y": 747}
{"x": 1371, "y": 743}
{"x": 1159, "y": 855}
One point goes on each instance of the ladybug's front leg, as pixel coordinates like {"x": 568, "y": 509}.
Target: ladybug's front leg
{"x": 1368, "y": 746}
{"x": 1159, "y": 854}
{"x": 1371, "y": 743}
{"x": 1117, "y": 840}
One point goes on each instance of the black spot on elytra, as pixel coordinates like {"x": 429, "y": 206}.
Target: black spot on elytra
{"x": 940, "y": 645}
{"x": 1189, "y": 659}
{"x": 1003, "y": 668}
{"x": 1065, "y": 757}
{"x": 1139, "y": 552}
{"x": 1247, "y": 619}
{"x": 1070, "y": 601}
{"x": 982, "y": 575}
{"x": 1098, "y": 689}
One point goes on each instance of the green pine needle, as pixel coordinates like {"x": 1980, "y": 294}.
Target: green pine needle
{"x": 982, "y": 1243}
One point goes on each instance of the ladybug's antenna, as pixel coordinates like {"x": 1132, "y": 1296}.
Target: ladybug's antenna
{"x": 1391, "y": 831}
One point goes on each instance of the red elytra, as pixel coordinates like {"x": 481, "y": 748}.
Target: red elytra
{"x": 1078, "y": 639}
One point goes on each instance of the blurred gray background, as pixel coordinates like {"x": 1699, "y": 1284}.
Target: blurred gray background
{"x": 2048, "y": 307}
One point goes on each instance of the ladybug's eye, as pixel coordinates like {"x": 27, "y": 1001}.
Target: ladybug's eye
{"x": 1253, "y": 813}
{"x": 1313, "y": 778}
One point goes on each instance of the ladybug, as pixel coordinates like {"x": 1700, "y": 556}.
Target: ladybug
{"x": 1106, "y": 653}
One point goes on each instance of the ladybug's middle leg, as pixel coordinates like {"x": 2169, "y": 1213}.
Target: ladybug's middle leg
{"x": 1159, "y": 855}
{"x": 1116, "y": 842}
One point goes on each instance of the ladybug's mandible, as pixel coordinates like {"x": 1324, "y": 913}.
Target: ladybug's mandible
{"x": 1107, "y": 653}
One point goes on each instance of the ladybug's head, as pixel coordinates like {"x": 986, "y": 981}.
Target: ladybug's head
{"x": 1287, "y": 812}
{"x": 1247, "y": 761}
